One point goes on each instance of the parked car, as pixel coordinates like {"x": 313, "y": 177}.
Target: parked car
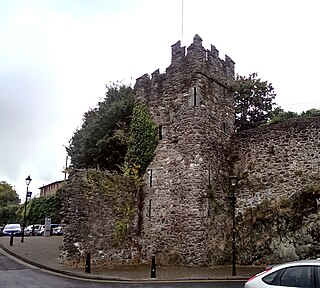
{"x": 52, "y": 226}
{"x": 58, "y": 230}
{"x": 15, "y": 229}
{"x": 28, "y": 229}
{"x": 42, "y": 228}
{"x": 304, "y": 273}
{"x": 1, "y": 228}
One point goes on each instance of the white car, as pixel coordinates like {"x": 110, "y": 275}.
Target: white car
{"x": 36, "y": 227}
{"x": 52, "y": 226}
{"x": 305, "y": 273}
{"x": 14, "y": 229}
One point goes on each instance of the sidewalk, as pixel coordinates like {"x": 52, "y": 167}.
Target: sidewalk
{"x": 43, "y": 252}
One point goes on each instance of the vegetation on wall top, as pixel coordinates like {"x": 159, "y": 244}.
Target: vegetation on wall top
{"x": 279, "y": 115}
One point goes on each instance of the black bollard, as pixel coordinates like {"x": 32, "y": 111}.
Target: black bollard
{"x": 32, "y": 233}
{"x": 87, "y": 269}
{"x": 11, "y": 239}
{"x": 153, "y": 267}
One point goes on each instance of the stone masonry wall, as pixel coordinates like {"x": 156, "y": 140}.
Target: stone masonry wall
{"x": 192, "y": 104}
{"x": 99, "y": 210}
{"x": 279, "y": 159}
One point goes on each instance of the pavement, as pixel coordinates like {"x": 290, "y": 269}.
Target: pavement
{"x": 43, "y": 252}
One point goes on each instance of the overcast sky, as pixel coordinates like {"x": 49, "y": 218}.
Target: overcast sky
{"x": 57, "y": 55}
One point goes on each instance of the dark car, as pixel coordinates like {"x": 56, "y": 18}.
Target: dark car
{"x": 14, "y": 229}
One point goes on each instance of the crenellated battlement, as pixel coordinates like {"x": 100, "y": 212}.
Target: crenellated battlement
{"x": 194, "y": 59}
{"x": 177, "y": 52}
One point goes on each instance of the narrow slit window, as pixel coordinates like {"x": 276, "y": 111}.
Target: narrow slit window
{"x": 224, "y": 127}
{"x": 160, "y": 132}
{"x": 149, "y": 210}
{"x": 194, "y": 96}
{"x": 150, "y": 177}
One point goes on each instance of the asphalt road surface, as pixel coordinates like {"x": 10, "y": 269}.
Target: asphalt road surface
{"x": 17, "y": 275}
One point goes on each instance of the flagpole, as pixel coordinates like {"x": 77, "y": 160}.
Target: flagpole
{"x": 181, "y": 22}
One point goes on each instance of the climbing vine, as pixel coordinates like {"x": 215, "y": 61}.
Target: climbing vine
{"x": 143, "y": 141}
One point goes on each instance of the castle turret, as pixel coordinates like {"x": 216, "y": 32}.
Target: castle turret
{"x": 192, "y": 104}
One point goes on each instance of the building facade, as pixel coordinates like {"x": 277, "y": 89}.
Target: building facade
{"x": 50, "y": 189}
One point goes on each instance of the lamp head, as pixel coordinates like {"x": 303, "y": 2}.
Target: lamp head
{"x": 233, "y": 180}
{"x": 28, "y": 180}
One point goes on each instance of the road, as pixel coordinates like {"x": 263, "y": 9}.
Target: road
{"x": 17, "y": 275}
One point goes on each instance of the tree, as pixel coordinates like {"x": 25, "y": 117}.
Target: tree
{"x": 102, "y": 140}
{"x": 254, "y": 101}
{"x": 8, "y": 196}
{"x": 8, "y": 214}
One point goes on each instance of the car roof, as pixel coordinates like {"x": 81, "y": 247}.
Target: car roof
{"x": 315, "y": 262}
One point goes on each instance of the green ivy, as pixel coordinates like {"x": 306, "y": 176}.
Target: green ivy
{"x": 36, "y": 211}
{"x": 44, "y": 207}
{"x": 143, "y": 141}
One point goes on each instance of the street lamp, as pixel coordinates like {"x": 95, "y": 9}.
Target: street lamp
{"x": 233, "y": 180}
{"x": 28, "y": 194}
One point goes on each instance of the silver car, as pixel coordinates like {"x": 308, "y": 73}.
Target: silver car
{"x": 304, "y": 273}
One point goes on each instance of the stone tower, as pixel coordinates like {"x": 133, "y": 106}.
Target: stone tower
{"x": 185, "y": 189}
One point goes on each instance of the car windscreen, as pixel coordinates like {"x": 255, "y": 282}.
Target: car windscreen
{"x": 12, "y": 226}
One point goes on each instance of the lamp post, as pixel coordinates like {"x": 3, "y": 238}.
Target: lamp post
{"x": 28, "y": 194}
{"x": 233, "y": 180}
